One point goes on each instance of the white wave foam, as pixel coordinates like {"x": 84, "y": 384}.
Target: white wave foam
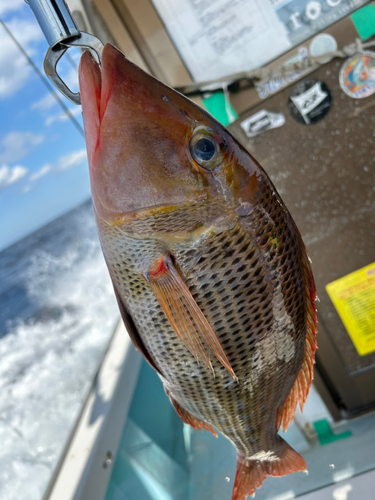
{"x": 47, "y": 365}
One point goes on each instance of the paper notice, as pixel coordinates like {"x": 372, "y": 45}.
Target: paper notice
{"x": 219, "y": 37}
{"x": 354, "y": 298}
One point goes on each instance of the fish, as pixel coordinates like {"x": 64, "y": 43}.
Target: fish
{"x": 210, "y": 272}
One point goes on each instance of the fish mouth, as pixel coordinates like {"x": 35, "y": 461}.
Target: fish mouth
{"x": 98, "y": 80}
{"x": 96, "y": 85}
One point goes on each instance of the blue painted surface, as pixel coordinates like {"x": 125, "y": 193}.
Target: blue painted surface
{"x": 152, "y": 463}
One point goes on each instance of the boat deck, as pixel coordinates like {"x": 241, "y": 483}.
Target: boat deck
{"x": 160, "y": 458}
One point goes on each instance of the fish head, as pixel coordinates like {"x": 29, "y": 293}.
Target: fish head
{"x": 149, "y": 146}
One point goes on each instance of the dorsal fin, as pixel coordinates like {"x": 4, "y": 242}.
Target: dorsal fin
{"x": 184, "y": 314}
{"x": 301, "y": 387}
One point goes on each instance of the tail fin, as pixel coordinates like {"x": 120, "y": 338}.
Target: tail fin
{"x": 251, "y": 473}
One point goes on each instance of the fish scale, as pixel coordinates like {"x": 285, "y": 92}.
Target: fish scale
{"x": 241, "y": 279}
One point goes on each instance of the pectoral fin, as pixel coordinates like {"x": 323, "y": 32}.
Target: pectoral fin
{"x": 184, "y": 314}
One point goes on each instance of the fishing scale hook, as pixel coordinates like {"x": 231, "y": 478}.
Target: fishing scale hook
{"x": 61, "y": 32}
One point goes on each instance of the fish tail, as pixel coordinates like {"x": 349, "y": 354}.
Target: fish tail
{"x": 251, "y": 473}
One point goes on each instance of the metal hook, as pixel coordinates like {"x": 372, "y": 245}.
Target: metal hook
{"x": 57, "y": 24}
{"x": 87, "y": 41}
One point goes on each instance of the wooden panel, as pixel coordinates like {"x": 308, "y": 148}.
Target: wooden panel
{"x": 123, "y": 40}
{"x": 148, "y": 32}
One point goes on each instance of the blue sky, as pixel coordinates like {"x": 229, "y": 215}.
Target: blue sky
{"x": 43, "y": 165}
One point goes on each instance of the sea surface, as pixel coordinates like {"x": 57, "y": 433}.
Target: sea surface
{"x": 57, "y": 314}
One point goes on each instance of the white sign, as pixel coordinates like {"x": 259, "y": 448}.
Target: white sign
{"x": 219, "y": 37}
{"x": 304, "y": 18}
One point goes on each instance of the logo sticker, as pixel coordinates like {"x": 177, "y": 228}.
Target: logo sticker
{"x": 357, "y": 75}
{"x": 262, "y": 121}
{"x": 268, "y": 87}
{"x": 309, "y": 101}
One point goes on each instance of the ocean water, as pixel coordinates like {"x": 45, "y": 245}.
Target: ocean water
{"x": 57, "y": 315}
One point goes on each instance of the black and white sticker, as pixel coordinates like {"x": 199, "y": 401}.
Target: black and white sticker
{"x": 309, "y": 101}
{"x": 262, "y": 121}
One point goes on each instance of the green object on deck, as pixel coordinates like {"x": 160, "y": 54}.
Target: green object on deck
{"x": 325, "y": 434}
{"x": 220, "y": 107}
{"x": 364, "y": 21}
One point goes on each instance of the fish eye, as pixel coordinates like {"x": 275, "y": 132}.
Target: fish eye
{"x": 205, "y": 150}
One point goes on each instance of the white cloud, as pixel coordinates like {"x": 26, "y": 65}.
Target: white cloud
{"x": 63, "y": 117}
{"x": 16, "y": 145}
{"x": 11, "y": 175}
{"x": 10, "y": 6}
{"x": 15, "y": 71}
{"x": 40, "y": 173}
{"x": 45, "y": 102}
{"x": 71, "y": 160}
{"x": 65, "y": 162}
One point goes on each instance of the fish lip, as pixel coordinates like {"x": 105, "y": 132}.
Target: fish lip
{"x": 96, "y": 82}
{"x": 119, "y": 219}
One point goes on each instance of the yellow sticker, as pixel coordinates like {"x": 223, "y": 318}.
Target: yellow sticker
{"x": 354, "y": 299}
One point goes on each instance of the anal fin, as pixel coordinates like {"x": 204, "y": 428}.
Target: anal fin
{"x": 188, "y": 418}
{"x": 184, "y": 314}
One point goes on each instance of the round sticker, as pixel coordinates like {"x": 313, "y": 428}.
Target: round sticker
{"x": 357, "y": 75}
{"x": 322, "y": 44}
{"x": 309, "y": 101}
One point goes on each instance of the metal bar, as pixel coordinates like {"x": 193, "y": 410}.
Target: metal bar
{"x": 55, "y": 20}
